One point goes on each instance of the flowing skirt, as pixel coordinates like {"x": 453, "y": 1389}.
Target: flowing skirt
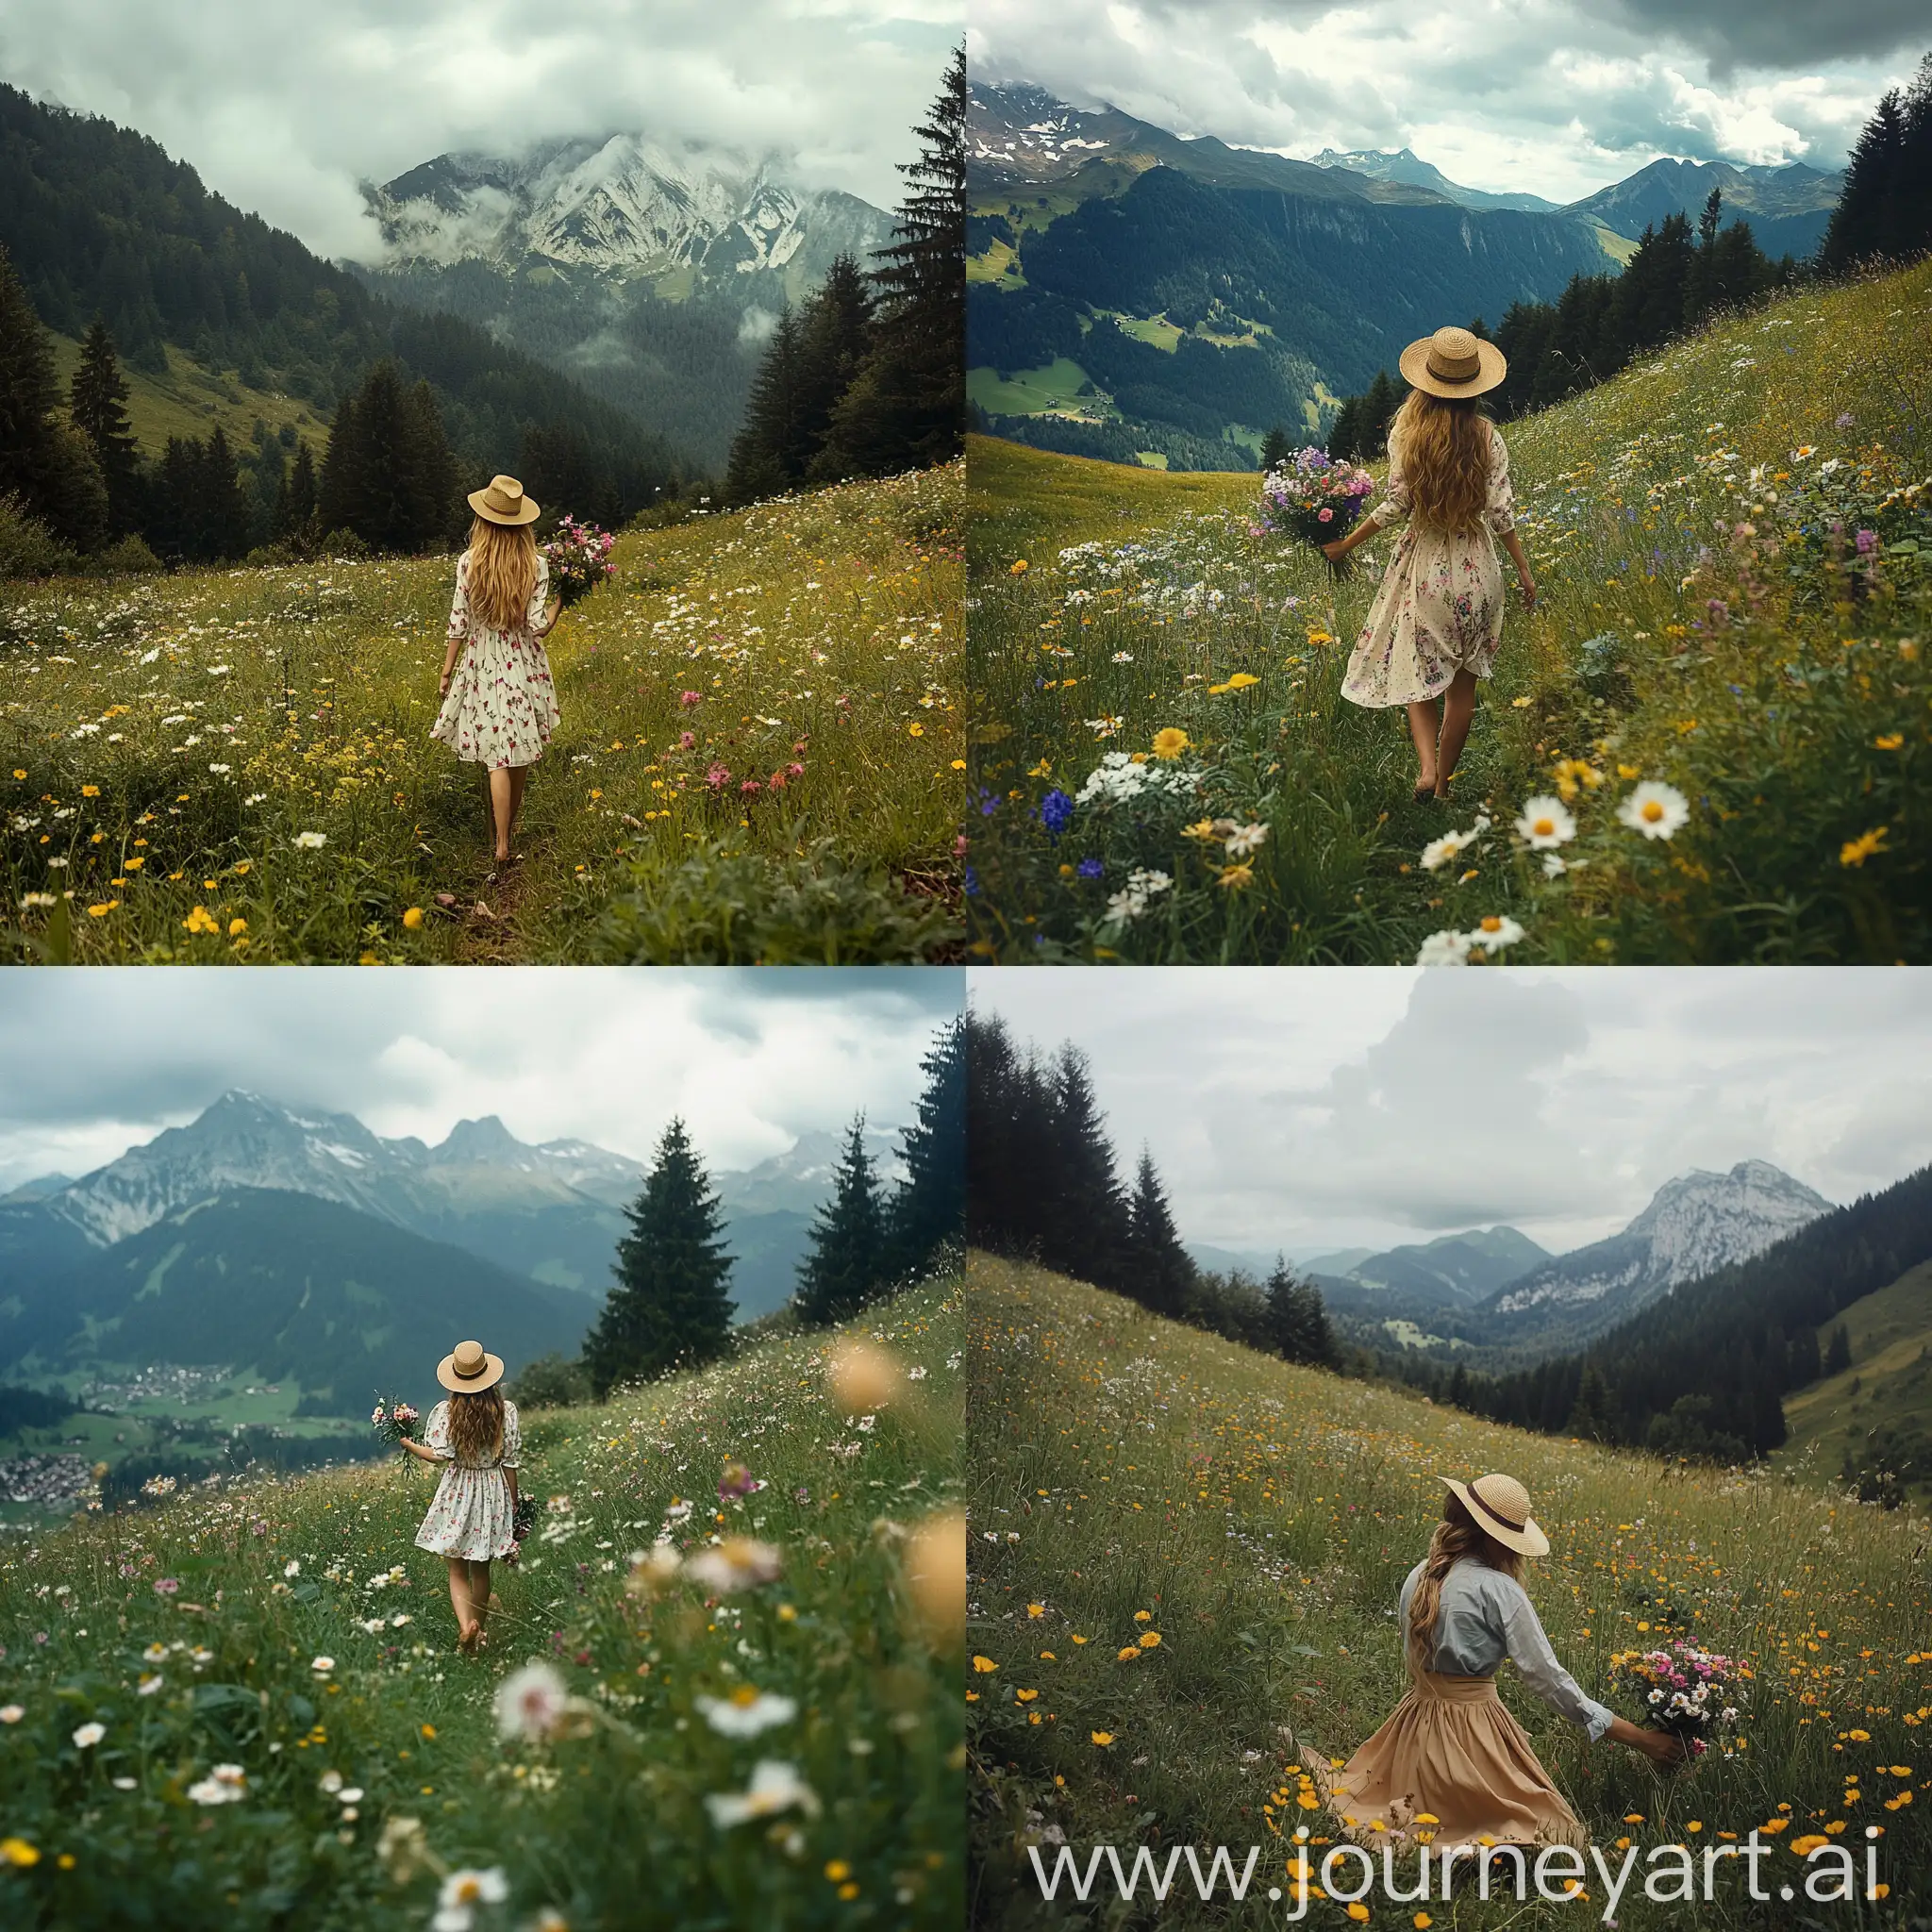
{"x": 1440, "y": 611}
{"x": 1451, "y": 1751}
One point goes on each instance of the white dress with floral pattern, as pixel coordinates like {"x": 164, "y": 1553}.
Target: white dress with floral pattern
{"x": 471, "y": 1515}
{"x": 501, "y": 710}
{"x": 1439, "y": 610}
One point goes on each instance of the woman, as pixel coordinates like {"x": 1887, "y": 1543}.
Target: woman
{"x": 499, "y": 707}
{"x": 472, "y": 1518}
{"x": 1450, "y": 1749}
{"x": 1437, "y": 620}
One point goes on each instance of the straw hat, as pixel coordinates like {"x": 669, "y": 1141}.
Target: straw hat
{"x": 1452, "y": 362}
{"x": 468, "y": 1368}
{"x": 504, "y": 502}
{"x": 1501, "y": 1504}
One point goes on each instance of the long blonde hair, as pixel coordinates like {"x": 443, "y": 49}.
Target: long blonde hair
{"x": 503, "y": 573}
{"x": 1445, "y": 457}
{"x": 1458, "y": 1535}
{"x": 475, "y": 1425}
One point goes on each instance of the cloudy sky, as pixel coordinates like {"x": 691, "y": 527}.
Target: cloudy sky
{"x": 751, "y": 1058}
{"x": 283, "y": 106}
{"x": 1550, "y": 97}
{"x": 1316, "y": 1109}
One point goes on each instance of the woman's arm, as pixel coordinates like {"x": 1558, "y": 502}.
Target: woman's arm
{"x": 1661, "y": 1748}
{"x": 1529, "y": 1651}
{"x": 1361, "y": 533}
{"x": 1513, "y": 544}
{"x": 416, "y": 1450}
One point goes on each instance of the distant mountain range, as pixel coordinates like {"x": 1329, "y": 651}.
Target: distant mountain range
{"x": 540, "y": 1222}
{"x": 1133, "y": 294}
{"x": 649, "y": 276}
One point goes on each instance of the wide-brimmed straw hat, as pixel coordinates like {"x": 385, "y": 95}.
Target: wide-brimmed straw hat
{"x": 468, "y": 1368}
{"x": 504, "y": 502}
{"x": 1452, "y": 362}
{"x": 1501, "y": 1504}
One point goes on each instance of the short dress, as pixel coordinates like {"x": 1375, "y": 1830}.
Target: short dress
{"x": 1439, "y": 610}
{"x": 471, "y": 1515}
{"x": 501, "y": 710}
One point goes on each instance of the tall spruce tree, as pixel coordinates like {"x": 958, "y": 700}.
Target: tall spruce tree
{"x": 928, "y": 1209}
{"x": 906, "y": 408}
{"x": 294, "y": 516}
{"x": 1297, "y": 1321}
{"x": 671, "y": 1306}
{"x": 387, "y": 475}
{"x": 1875, "y": 216}
{"x": 1838, "y": 1353}
{"x": 1277, "y": 448}
{"x": 221, "y": 510}
{"x": 97, "y": 402}
{"x": 1086, "y": 1219}
{"x": 846, "y": 1265}
{"x": 44, "y": 461}
{"x": 767, "y": 454}
{"x": 1158, "y": 1271}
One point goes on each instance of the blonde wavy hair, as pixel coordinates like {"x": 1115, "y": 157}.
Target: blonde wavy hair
{"x": 1458, "y": 1535}
{"x": 1445, "y": 457}
{"x": 475, "y": 1425}
{"x": 503, "y": 573}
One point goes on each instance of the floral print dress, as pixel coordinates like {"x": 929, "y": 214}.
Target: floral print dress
{"x": 471, "y": 1515}
{"x": 1439, "y": 610}
{"x": 502, "y": 706}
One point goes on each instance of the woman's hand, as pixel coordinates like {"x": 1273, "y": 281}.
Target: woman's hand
{"x": 1335, "y": 551}
{"x": 1527, "y": 584}
{"x": 1664, "y": 1749}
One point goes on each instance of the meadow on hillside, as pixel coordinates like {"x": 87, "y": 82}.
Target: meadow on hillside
{"x": 760, "y": 756}
{"x": 1185, "y": 1562}
{"x": 244, "y": 1705}
{"x": 1731, "y": 543}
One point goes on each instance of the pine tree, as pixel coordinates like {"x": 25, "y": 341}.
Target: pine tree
{"x": 294, "y": 515}
{"x": 1276, "y": 448}
{"x": 1158, "y": 1271}
{"x": 97, "y": 401}
{"x": 1086, "y": 1219}
{"x": 44, "y": 461}
{"x": 221, "y": 510}
{"x": 1838, "y": 1353}
{"x": 1297, "y": 1320}
{"x": 670, "y": 1306}
{"x": 1344, "y": 433}
{"x": 1592, "y": 1418}
{"x": 387, "y": 475}
{"x": 1378, "y": 411}
{"x": 906, "y": 408}
{"x": 765, "y": 452}
{"x": 1866, "y": 222}
{"x": 928, "y": 1209}
{"x": 342, "y": 486}
{"x": 846, "y": 1265}
{"x": 834, "y": 334}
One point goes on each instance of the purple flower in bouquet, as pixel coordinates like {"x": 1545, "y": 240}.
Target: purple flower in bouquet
{"x": 1314, "y": 497}
{"x": 394, "y": 1421}
{"x": 1690, "y": 1691}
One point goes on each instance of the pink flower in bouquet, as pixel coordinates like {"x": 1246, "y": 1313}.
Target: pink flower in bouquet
{"x": 1324, "y": 515}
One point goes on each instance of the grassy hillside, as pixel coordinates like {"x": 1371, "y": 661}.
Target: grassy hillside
{"x": 164, "y": 742}
{"x": 1888, "y": 1388}
{"x": 1130, "y": 1477}
{"x": 294, "y": 1631}
{"x": 1705, "y": 620}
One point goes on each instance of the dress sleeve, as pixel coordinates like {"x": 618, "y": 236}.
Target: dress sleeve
{"x": 436, "y": 1434}
{"x": 1393, "y": 506}
{"x": 512, "y": 1439}
{"x": 541, "y": 596}
{"x": 460, "y": 604}
{"x": 1501, "y": 507}
{"x": 1531, "y": 1652}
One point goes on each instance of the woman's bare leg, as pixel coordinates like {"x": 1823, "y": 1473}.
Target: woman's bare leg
{"x": 505, "y": 787}
{"x": 1458, "y": 707}
{"x": 1423, "y": 723}
{"x": 479, "y": 1598}
{"x": 517, "y": 775}
{"x": 459, "y": 1598}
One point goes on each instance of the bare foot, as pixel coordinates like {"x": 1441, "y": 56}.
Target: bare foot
{"x": 472, "y": 1636}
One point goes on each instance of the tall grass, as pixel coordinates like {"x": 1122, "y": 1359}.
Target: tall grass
{"x": 293, "y": 1629}
{"x": 166, "y": 742}
{"x": 1127, "y": 1475}
{"x": 1708, "y": 619}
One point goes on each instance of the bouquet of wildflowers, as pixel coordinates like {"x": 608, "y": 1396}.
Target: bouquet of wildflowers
{"x": 525, "y": 1519}
{"x": 394, "y": 1421}
{"x": 1692, "y": 1693}
{"x": 1314, "y": 497}
{"x": 579, "y": 559}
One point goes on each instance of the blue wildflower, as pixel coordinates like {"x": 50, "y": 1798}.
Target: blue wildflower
{"x": 1056, "y": 810}
{"x": 1090, "y": 868}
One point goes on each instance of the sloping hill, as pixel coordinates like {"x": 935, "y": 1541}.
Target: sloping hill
{"x": 1136, "y": 1479}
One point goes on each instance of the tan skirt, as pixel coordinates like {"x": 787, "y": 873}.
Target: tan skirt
{"x": 1451, "y": 1751}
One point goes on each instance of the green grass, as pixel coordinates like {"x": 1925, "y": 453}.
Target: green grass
{"x": 1262, "y": 1517}
{"x": 1052, "y": 390}
{"x": 609, "y": 1828}
{"x": 1000, "y": 263}
{"x": 163, "y": 743}
{"x": 1154, "y": 330}
{"x": 1888, "y": 1386}
{"x": 1692, "y": 629}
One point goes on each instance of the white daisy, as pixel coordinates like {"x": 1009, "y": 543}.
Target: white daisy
{"x": 740, "y": 1562}
{"x": 529, "y": 1702}
{"x": 1655, "y": 810}
{"x": 1493, "y": 933}
{"x": 90, "y": 1735}
{"x": 1444, "y": 949}
{"x": 775, "y": 1787}
{"x": 1545, "y": 822}
{"x": 747, "y": 1712}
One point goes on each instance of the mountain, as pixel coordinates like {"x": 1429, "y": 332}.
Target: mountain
{"x": 1407, "y": 167}
{"x": 652, "y": 277}
{"x": 1130, "y": 291}
{"x": 1454, "y": 1270}
{"x": 1788, "y": 208}
{"x": 1694, "y": 1225}
{"x": 290, "y": 1287}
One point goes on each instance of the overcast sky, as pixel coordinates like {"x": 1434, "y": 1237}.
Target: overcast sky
{"x": 283, "y": 106}
{"x": 1550, "y": 97}
{"x": 98, "y": 1061}
{"x": 1369, "y": 1106}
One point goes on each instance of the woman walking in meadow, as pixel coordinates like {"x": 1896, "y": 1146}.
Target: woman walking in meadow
{"x": 1437, "y": 620}
{"x": 472, "y": 1517}
{"x": 1450, "y": 1750}
{"x": 499, "y": 706}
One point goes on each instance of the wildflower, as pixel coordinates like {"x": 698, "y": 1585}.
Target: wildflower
{"x": 1102, "y": 1738}
{"x": 530, "y": 1701}
{"x": 227, "y": 1783}
{"x": 1655, "y": 810}
{"x": 1018, "y": 568}
{"x": 653, "y": 1571}
{"x": 90, "y": 1735}
{"x": 1090, "y": 869}
{"x": 16, "y": 1851}
{"x": 201, "y": 920}
{"x": 1545, "y": 822}
{"x": 1444, "y": 949}
{"x": 463, "y": 1890}
{"x": 718, "y": 777}
{"x": 775, "y": 1787}
{"x": 11, "y": 1713}
{"x": 1244, "y": 840}
{"x": 1890, "y": 741}
{"x": 237, "y": 928}
{"x": 1170, "y": 742}
{"x": 740, "y": 1562}
{"x": 1438, "y": 852}
{"x": 747, "y": 1712}
{"x": 1866, "y": 542}
{"x": 1056, "y": 811}
{"x": 413, "y": 918}
{"x": 1495, "y": 932}
{"x": 1240, "y": 681}
{"x": 322, "y": 1666}
{"x": 984, "y": 1665}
